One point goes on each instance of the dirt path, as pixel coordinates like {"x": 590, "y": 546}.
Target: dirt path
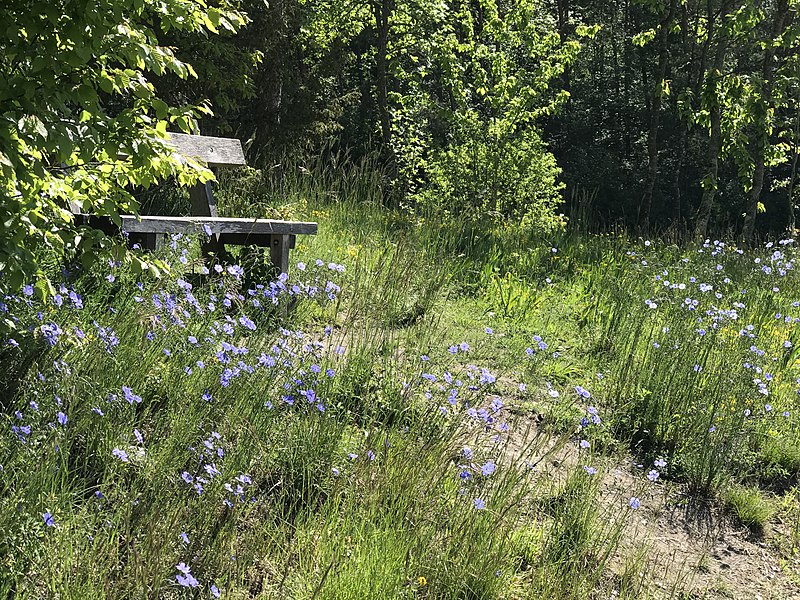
{"x": 684, "y": 544}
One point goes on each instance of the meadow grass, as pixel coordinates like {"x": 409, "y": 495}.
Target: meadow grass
{"x": 433, "y": 418}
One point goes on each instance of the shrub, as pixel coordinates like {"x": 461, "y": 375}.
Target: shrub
{"x": 81, "y": 123}
{"x": 496, "y": 178}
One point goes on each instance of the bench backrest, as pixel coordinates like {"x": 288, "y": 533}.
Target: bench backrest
{"x": 214, "y": 152}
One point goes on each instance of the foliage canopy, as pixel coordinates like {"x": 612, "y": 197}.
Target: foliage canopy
{"x": 80, "y": 122}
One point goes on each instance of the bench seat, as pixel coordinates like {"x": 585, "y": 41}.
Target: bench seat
{"x": 277, "y": 235}
{"x": 218, "y": 225}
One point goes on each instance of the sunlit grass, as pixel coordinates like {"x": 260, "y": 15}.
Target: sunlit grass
{"x": 433, "y": 418}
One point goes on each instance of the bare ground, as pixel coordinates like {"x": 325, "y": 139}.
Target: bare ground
{"x": 685, "y": 545}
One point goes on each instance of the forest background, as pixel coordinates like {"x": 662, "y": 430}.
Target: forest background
{"x": 645, "y": 114}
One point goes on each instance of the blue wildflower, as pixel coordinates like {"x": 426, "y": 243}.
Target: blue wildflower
{"x": 51, "y": 332}
{"x": 130, "y": 396}
{"x": 185, "y": 578}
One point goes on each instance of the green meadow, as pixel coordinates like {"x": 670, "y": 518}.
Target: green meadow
{"x": 419, "y": 410}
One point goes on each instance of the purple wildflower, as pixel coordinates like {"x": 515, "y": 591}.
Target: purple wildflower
{"x": 130, "y": 396}
{"x": 185, "y": 578}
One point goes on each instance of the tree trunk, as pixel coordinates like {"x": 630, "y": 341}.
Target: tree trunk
{"x": 761, "y": 126}
{"x": 793, "y": 175}
{"x": 756, "y": 185}
{"x": 563, "y": 32}
{"x": 276, "y": 97}
{"x": 382, "y": 11}
{"x": 710, "y": 181}
{"x": 676, "y": 180}
{"x": 269, "y": 109}
{"x": 655, "y": 116}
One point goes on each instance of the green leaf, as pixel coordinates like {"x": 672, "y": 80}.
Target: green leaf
{"x": 43, "y": 288}
{"x": 643, "y": 38}
{"x": 106, "y": 82}
{"x": 138, "y": 265}
{"x": 160, "y": 107}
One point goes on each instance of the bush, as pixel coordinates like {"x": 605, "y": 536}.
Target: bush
{"x": 81, "y": 124}
{"x": 496, "y": 178}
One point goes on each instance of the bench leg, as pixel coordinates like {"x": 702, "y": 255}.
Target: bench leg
{"x": 152, "y": 241}
{"x": 212, "y": 246}
{"x": 279, "y": 251}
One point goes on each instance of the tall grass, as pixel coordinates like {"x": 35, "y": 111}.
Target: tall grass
{"x": 432, "y": 419}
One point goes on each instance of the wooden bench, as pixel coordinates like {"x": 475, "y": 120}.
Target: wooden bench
{"x": 278, "y": 236}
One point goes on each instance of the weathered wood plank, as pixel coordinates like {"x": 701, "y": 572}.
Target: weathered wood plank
{"x": 279, "y": 252}
{"x": 214, "y": 151}
{"x": 201, "y": 196}
{"x": 253, "y": 239}
{"x": 218, "y": 225}
{"x": 152, "y": 241}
